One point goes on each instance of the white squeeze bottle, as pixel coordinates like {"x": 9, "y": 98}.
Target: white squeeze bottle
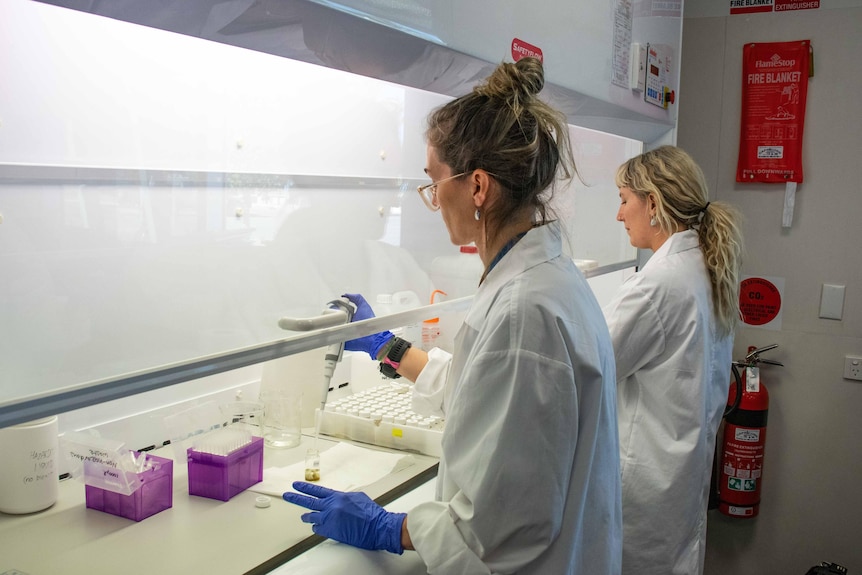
{"x": 458, "y": 276}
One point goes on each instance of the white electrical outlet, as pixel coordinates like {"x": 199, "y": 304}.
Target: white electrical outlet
{"x": 853, "y": 367}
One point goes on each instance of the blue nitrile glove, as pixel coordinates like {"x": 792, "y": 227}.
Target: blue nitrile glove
{"x": 370, "y": 344}
{"x": 351, "y": 518}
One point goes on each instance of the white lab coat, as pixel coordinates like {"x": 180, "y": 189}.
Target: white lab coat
{"x": 673, "y": 373}
{"x": 529, "y": 478}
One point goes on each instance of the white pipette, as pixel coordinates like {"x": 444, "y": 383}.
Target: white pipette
{"x": 337, "y": 312}
{"x": 331, "y": 359}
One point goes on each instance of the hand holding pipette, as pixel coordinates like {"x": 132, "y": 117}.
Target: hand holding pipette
{"x": 370, "y": 344}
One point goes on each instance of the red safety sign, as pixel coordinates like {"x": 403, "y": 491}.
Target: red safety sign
{"x": 752, "y": 6}
{"x": 774, "y": 90}
{"x": 521, "y": 49}
{"x": 759, "y": 301}
{"x": 785, "y": 5}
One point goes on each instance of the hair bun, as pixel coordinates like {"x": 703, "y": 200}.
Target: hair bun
{"x": 523, "y": 79}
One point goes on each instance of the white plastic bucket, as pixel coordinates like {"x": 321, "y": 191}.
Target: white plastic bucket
{"x": 29, "y": 471}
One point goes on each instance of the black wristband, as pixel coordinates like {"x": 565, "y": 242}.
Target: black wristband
{"x": 392, "y": 360}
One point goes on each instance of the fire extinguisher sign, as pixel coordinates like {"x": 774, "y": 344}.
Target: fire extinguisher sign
{"x": 760, "y": 301}
{"x": 737, "y": 484}
{"x": 743, "y": 463}
{"x": 748, "y": 435}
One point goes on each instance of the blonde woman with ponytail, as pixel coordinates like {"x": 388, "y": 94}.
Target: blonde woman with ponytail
{"x": 672, "y": 326}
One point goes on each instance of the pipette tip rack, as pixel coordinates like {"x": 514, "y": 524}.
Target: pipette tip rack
{"x": 222, "y": 476}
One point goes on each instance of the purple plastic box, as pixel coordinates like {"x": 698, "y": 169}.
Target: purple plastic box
{"x": 155, "y": 493}
{"x": 223, "y": 476}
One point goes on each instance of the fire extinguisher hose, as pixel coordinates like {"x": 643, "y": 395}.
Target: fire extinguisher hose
{"x": 739, "y": 389}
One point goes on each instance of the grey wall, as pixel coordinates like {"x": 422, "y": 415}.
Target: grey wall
{"x": 811, "y": 509}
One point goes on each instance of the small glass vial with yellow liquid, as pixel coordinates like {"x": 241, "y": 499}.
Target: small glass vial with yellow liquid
{"x": 312, "y": 465}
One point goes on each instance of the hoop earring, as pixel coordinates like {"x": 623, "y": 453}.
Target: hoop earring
{"x": 477, "y": 215}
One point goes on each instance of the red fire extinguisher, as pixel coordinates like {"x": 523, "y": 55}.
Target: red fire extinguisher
{"x": 740, "y": 474}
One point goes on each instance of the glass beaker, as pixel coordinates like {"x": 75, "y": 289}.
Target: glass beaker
{"x": 246, "y": 415}
{"x": 282, "y": 417}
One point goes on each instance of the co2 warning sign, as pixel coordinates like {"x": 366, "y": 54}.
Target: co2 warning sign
{"x": 760, "y": 301}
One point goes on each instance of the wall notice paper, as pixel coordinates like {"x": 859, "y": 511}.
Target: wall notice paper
{"x": 620, "y": 63}
{"x": 774, "y": 91}
{"x": 343, "y": 467}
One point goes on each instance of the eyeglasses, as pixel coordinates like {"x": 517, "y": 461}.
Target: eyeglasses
{"x": 428, "y": 192}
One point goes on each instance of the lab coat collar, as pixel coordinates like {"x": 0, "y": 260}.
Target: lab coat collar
{"x": 676, "y": 243}
{"x": 541, "y": 244}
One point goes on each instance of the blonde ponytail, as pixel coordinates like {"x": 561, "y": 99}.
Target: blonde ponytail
{"x": 672, "y": 178}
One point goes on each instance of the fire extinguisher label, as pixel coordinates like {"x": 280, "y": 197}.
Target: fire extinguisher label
{"x": 747, "y": 435}
{"x": 740, "y": 511}
{"x": 737, "y": 484}
{"x": 741, "y": 473}
{"x": 752, "y": 379}
{"x": 743, "y": 458}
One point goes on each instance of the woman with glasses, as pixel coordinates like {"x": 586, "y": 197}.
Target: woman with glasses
{"x": 529, "y": 478}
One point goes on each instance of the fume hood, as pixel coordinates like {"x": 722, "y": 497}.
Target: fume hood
{"x": 600, "y": 57}
{"x": 176, "y": 177}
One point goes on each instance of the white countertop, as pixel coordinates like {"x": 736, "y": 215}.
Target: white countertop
{"x": 197, "y": 535}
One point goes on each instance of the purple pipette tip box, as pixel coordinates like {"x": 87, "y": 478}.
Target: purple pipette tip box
{"x": 223, "y": 476}
{"x": 155, "y": 493}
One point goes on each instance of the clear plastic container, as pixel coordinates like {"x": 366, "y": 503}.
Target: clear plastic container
{"x": 387, "y": 304}
{"x": 431, "y": 327}
{"x": 458, "y": 274}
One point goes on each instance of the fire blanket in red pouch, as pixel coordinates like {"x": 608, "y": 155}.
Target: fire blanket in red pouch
{"x": 774, "y": 90}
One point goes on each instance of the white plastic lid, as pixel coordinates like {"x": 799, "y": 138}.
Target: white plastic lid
{"x": 37, "y": 422}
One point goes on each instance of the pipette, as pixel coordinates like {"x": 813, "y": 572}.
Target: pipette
{"x": 331, "y": 359}
{"x": 337, "y": 312}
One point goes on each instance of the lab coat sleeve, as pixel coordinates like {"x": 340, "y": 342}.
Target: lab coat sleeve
{"x": 511, "y": 436}
{"x": 637, "y": 329}
{"x": 430, "y": 387}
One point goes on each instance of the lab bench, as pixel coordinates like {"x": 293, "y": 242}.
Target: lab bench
{"x": 332, "y": 557}
{"x": 196, "y": 535}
